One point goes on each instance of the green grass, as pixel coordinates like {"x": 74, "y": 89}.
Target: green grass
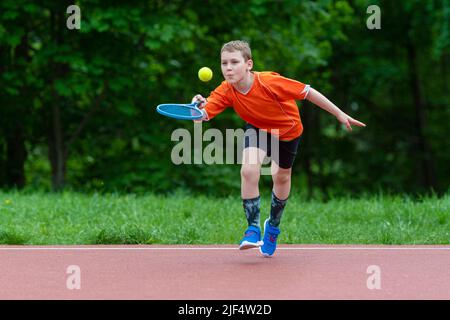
{"x": 71, "y": 218}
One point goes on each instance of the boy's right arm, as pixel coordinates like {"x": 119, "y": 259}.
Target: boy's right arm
{"x": 216, "y": 103}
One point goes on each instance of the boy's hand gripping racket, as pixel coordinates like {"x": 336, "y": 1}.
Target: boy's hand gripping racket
{"x": 181, "y": 111}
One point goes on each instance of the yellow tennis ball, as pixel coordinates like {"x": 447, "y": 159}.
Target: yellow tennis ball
{"x": 205, "y": 74}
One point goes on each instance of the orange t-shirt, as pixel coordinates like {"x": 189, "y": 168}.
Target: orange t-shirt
{"x": 268, "y": 105}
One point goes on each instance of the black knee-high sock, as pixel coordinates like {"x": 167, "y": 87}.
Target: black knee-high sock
{"x": 251, "y": 208}
{"x": 276, "y": 210}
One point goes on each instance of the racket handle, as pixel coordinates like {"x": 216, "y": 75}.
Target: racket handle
{"x": 198, "y": 100}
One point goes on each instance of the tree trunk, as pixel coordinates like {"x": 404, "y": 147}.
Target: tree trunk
{"x": 56, "y": 148}
{"x": 58, "y": 142}
{"x": 16, "y": 153}
{"x": 56, "y": 137}
{"x": 444, "y": 72}
{"x": 16, "y": 156}
{"x": 306, "y": 144}
{"x": 428, "y": 177}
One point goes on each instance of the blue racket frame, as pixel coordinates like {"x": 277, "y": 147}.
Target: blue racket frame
{"x": 164, "y": 110}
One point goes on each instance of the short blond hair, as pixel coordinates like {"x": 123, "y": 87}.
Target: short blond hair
{"x": 238, "y": 45}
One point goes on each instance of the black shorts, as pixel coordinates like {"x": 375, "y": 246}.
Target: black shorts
{"x": 255, "y": 137}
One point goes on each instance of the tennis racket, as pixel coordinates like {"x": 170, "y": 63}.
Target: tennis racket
{"x": 180, "y": 111}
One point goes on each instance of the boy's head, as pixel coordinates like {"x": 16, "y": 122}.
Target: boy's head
{"x": 236, "y": 60}
{"x": 238, "y": 45}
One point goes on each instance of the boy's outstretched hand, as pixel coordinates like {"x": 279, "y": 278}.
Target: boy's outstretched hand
{"x": 348, "y": 121}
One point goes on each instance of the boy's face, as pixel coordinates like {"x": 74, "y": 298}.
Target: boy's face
{"x": 234, "y": 67}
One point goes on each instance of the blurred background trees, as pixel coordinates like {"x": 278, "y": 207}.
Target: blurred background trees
{"x": 77, "y": 107}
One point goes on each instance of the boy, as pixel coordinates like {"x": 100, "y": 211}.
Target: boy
{"x": 266, "y": 101}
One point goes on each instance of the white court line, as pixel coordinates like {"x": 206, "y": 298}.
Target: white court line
{"x": 208, "y": 248}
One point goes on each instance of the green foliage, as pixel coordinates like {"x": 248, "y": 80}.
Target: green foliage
{"x": 107, "y": 78}
{"x": 12, "y": 238}
{"x": 72, "y": 218}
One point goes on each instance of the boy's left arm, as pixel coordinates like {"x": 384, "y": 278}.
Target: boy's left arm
{"x": 320, "y": 100}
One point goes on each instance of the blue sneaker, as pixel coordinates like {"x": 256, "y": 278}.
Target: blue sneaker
{"x": 270, "y": 239}
{"x": 252, "y": 238}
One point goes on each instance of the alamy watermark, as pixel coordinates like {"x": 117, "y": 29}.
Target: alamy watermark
{"x": 374, "y": 280}
{"x": 74, "y": 279}
{"x": 374, "y": 20}
{"x": 74, "y": 20}
{"x": 222, "y": 149}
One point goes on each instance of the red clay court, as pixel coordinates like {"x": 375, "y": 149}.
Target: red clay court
{"x": 222, "y": 272}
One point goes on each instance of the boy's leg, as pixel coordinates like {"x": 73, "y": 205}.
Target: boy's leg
{"x": 252, "y": 159}
{"x": 281, "y": 170}
{"x": 281, "y": 181}
{"x": 250, "y": 174}
{"x": 281, "y": 188}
